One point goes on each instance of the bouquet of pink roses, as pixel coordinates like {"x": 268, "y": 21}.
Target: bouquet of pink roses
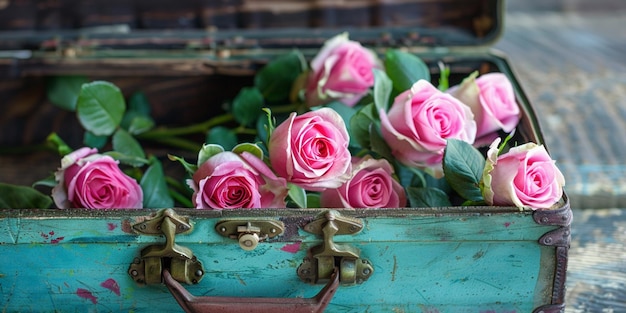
{"x": 349, "y": 129}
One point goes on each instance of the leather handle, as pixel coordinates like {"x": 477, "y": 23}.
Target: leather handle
{"x": 191, "y": 303}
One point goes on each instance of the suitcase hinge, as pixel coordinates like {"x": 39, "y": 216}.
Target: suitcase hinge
{"x": 322, "y": 259}
{"x": 183, "y": 265}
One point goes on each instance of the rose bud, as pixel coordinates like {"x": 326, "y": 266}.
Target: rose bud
{"x": 524, "y": 176}
{"x": 231, "y": 181}
{"x": 371, "y": 186}
{"x": 420, "y": 121}
{"x": 342, "y": 70}
{"x": 311, "y": 150}
{"x": 90, "y": 180}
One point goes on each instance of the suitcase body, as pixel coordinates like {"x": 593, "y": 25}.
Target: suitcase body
{"x": 449, "y": 259}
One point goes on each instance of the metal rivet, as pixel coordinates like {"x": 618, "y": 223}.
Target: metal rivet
{"x": 134, "y": 272}
{"x": 305, "y": 272}
{"x": 545, "y": 219}
{"x": 199, "y": 273}
{"x": 366, "y": 271}
{"x": 273, "y": 230}
{"x": 223, "y": 229}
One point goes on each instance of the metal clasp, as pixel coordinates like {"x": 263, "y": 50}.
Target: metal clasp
{"x": 321, "y": 260}
{"x": 183, "y": 265}
{"x": 250, "y": 232}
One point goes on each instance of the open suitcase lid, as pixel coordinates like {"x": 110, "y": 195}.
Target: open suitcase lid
{"x": 92, "y": 27}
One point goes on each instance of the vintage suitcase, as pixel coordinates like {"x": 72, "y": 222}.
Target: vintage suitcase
{"x": 186, "y": 54}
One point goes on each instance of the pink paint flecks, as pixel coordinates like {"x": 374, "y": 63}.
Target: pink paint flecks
{"x": 291, "y": 247}
{"x": 86, "y": 294}
{"x": 507, "y": 224}
{"x": 111, "y": 226}
{"x": 112, "y": 285}
{"x": 109, "y": 284}
{"x": 50, "y": 236}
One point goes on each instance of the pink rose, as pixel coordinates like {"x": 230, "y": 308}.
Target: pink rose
{"x": 420, "y": 121}
{"x": 87, "y": 179}
{"x": 311, "y": 150}
{"x": 341, "y": 70}
{"x": 524, "y": 176}
{"x": 492, "y": 100}
{"x": 231, "y": 181}
{"x": 371, "y": 186}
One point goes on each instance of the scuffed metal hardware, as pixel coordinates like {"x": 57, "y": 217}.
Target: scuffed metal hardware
{"x": 250, "y": 232}
{"x": 560, "y": 239}
{"x": 183, "y": 265}
{"x": 321, "y": 260}
{"x": 560, "y": 217}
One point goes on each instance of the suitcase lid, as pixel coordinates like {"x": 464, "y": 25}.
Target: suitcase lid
{"x": 241, "y": 27}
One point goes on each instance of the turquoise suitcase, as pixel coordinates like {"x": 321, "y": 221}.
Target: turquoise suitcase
{"x": 448, "y": 259}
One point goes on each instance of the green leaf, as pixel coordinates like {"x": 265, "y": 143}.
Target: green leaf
{"x": 22, "y": 197}
{"x": 314, "y": 200}
{"x": 404, "y": 69}
{"x": 427, "y": 197}
{"x": 269, "y": 126}
{"x": 247, "y": 105}
{"x": 190, "y": 168}
{"x": 360, "y": 125}
{"x": 379, "y": 145}
{"x": 91, "y": 140}
{"x": 140, "y": 124}
{"x": 134, "y": 161}
{"x": 444, "y": 77}
{"x": 49, "y": 181}
{"x": 100, "y": 107}
{"x": 222, "y": 136}
{"x": 463, "y": 168}
{"x": 275, "y": 79}
{"x": 207, "y": 151}
{"x": 126, "y": 144}
{"x": 63, "y": 91}
{"x": 297, "y": 195}
{"x": 382, "y": 90}
{"x": 346, "y": 114}
{"x": 138, "y": 102}
{"x": 410, "y": 176}
{"x": 249, "y": 147}
{"x": 154, "y": 187}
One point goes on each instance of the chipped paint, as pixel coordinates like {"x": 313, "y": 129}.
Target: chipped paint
{"x": 112, "y": 285}
{"x": 86, "y": 294}
{"x": 292, "y": 247}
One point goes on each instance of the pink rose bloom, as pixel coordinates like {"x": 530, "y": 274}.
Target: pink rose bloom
{"x": 90, "y": 180}
{"x": 420, "y": 121}
{"x": 524, "y": 176}
{"x": 341, "y": 70}
{"x": 371, "y": 186}
{"x": 492, "y": 100}
{"x": 311, "y": 150}
{"x": 231, "y": 181}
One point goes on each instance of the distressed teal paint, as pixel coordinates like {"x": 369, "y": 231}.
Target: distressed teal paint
{"x": 423, "y": 263}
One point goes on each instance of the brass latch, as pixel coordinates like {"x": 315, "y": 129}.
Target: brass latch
{"x": 321, "y": 260}
{"x": 250, "y": 232}
{"x": 182, "y": 264}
